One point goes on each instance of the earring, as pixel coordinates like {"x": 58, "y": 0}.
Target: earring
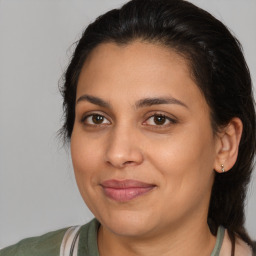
{"x": 222, "y": 168}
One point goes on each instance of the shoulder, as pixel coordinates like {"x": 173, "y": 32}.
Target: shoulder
{"x": 51, "y": 244}
{"x": 47, "y": 244}
{"x": 241, "y": 248}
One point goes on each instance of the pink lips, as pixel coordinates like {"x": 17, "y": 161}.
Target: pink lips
{"x": 125, "y": 190}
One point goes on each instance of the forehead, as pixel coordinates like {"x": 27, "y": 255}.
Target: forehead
{"x": 144, "y": 48}
{"x": 137, "y": 69}
{"x": 110, "y": 58}
{"x": 135, "y": 53}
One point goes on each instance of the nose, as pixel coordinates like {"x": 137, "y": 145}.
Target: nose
{"x": 123, "y": 148}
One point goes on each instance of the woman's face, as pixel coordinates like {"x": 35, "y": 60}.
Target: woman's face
{"x": 142, "y": 146}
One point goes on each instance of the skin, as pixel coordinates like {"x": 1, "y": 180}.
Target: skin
{"x": 178, "y": 156}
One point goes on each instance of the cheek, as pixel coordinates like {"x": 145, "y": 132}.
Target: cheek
{"x": 85, "y": 157}
{"x": 186, "y": 162}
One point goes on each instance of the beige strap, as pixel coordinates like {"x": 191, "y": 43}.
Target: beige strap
{"x": 69, "y": 245}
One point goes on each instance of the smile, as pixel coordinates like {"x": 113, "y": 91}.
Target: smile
{"x": 125, "y": 190}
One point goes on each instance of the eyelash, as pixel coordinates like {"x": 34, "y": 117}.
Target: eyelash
{"x": 171, "y": 121}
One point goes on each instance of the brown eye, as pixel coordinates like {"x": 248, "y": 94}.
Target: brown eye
{"x": 95, "y": 119}
{"x": 159, "y": 120}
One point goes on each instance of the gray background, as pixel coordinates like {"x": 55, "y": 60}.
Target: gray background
{"x": 37, "y": 188}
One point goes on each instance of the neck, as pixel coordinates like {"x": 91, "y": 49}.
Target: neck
{"x": 192, "y": 238}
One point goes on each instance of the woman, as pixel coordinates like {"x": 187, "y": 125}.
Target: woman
{"x": 160, "y": 117}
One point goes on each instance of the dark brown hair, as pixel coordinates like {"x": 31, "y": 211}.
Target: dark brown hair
{"x": 218, "y": 67}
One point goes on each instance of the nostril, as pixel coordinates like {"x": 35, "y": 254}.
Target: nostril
{"x": 128, "y": 163}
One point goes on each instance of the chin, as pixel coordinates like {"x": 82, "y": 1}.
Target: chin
{"x": 127, "y": 224}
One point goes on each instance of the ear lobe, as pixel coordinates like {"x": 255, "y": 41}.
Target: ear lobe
{"x": 227, "y": 151}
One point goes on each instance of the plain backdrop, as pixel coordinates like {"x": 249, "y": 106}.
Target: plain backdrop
{"x": 38, "y": 192}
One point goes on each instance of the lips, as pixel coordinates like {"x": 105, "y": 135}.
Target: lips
{"x": 125, "y": 190}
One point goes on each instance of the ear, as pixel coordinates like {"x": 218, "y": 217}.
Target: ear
{"x": 227, "y": 146}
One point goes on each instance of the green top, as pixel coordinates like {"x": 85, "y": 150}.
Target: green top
{"x": 87, "y": 245}
{"x": 49, "y": 244}
{"x": 46, "y": 245}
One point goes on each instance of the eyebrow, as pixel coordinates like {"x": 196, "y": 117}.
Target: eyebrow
{"x": 146, "y": 102}
{"x": 94, "y": 100}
